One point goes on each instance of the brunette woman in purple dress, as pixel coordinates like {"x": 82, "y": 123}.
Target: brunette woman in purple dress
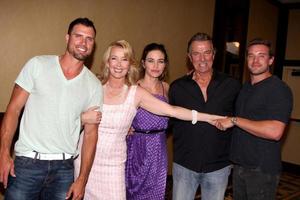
{"x": 146, "y": 166}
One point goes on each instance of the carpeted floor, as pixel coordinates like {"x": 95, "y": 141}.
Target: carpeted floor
{"x": 288, "y": 189}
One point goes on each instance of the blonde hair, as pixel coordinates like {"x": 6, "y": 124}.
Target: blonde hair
{"x": 132, "y": 75}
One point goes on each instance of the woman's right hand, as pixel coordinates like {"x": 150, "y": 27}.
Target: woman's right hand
{"x": 91, "y": 116}
{"x": 212, "y": 119}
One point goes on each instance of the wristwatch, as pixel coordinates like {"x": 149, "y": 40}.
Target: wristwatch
{"x": 233, "y": 120}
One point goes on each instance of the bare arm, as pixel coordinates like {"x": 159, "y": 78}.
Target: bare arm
{"x": 88, "y": 150}
{"x": 145, "y": 100}
{"x": 9, "y": 125}
{"x": 268, "y": 129}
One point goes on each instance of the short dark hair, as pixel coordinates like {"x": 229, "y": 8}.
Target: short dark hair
{"x": 84, "y": 21}
{"x": 257, "y": 41}
{"x": 199, "y": 37}
{"x": 152, "y": 47}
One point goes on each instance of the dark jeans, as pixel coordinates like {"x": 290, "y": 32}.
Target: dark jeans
{"x": 253, "y": 184}
{"x": 40, "y": 179}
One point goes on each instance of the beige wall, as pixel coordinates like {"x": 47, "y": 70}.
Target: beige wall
{"x": 35, "y": 27}
{"x": 293, "y": 41}
{"x": 291, "y": 148}
{"x": 263, "y": 17}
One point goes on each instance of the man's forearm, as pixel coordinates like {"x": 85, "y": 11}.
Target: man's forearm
{"x": 88, "y": 150}
{"x": 8, "y": 129}
{"x": 10, "y": 121}
{"x": 268, "y": 129}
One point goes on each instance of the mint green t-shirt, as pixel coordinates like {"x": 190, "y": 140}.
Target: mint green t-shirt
{"x": 51, "y": 118}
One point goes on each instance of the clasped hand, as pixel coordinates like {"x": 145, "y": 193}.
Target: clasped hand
{"x": 223, "y": 124}
{"x": 91, "y": 116}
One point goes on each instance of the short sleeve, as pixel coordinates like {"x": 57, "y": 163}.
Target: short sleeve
{"x": 27, "y": 75}
{"x": 97, "y": 97}
{"x": 280, "y": 103}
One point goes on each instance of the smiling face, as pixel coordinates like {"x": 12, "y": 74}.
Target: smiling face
{"x": 201, "y": 55}
{"x": 80, "y": 42}
{"x": 259, "y": 59}
{"x": 154, "y": 64}
{"x": 118, "y": 63}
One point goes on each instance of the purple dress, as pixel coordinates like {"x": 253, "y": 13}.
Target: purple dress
{"x": 146, "y": 165}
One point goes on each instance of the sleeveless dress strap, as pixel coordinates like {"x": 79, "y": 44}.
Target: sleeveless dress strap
{"x": 163, "y": 89}
{"x": 131, "y": 93}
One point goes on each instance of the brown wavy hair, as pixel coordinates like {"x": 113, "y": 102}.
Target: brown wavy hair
{"x": 152, "y": 47}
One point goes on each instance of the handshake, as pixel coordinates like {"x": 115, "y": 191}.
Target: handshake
{"x": 222, "y": 122}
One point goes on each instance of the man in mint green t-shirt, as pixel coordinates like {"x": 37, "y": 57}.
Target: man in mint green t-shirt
{"x": 55, "y": 90}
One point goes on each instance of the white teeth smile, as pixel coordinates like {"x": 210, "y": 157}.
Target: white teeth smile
{"x": 82, "y": 49}
{"x": 118, "y": 70}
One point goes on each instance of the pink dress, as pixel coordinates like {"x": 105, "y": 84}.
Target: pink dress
{"x": 107, "y": 177}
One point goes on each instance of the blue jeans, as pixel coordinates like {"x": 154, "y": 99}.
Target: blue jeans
{"x": 40, "y": 179}
{"x": 253, "y": 184}
{"x": 186, "y": 182}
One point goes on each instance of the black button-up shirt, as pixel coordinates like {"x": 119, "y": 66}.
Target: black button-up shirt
{"x": 202, "y": 147}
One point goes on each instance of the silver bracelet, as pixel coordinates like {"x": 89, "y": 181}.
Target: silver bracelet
{"x": 233, "y": 120}
{"x": 194, "y": 116}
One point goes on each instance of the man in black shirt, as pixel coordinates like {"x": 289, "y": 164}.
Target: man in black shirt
{"x": 263, "y": 109}
{"x": 201, "y": 151}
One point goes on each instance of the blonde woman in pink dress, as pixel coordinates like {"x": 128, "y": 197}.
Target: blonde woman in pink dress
{"x": 122, "y": 97}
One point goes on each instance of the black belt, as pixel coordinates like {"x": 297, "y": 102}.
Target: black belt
{"x": 150, "y": 131}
